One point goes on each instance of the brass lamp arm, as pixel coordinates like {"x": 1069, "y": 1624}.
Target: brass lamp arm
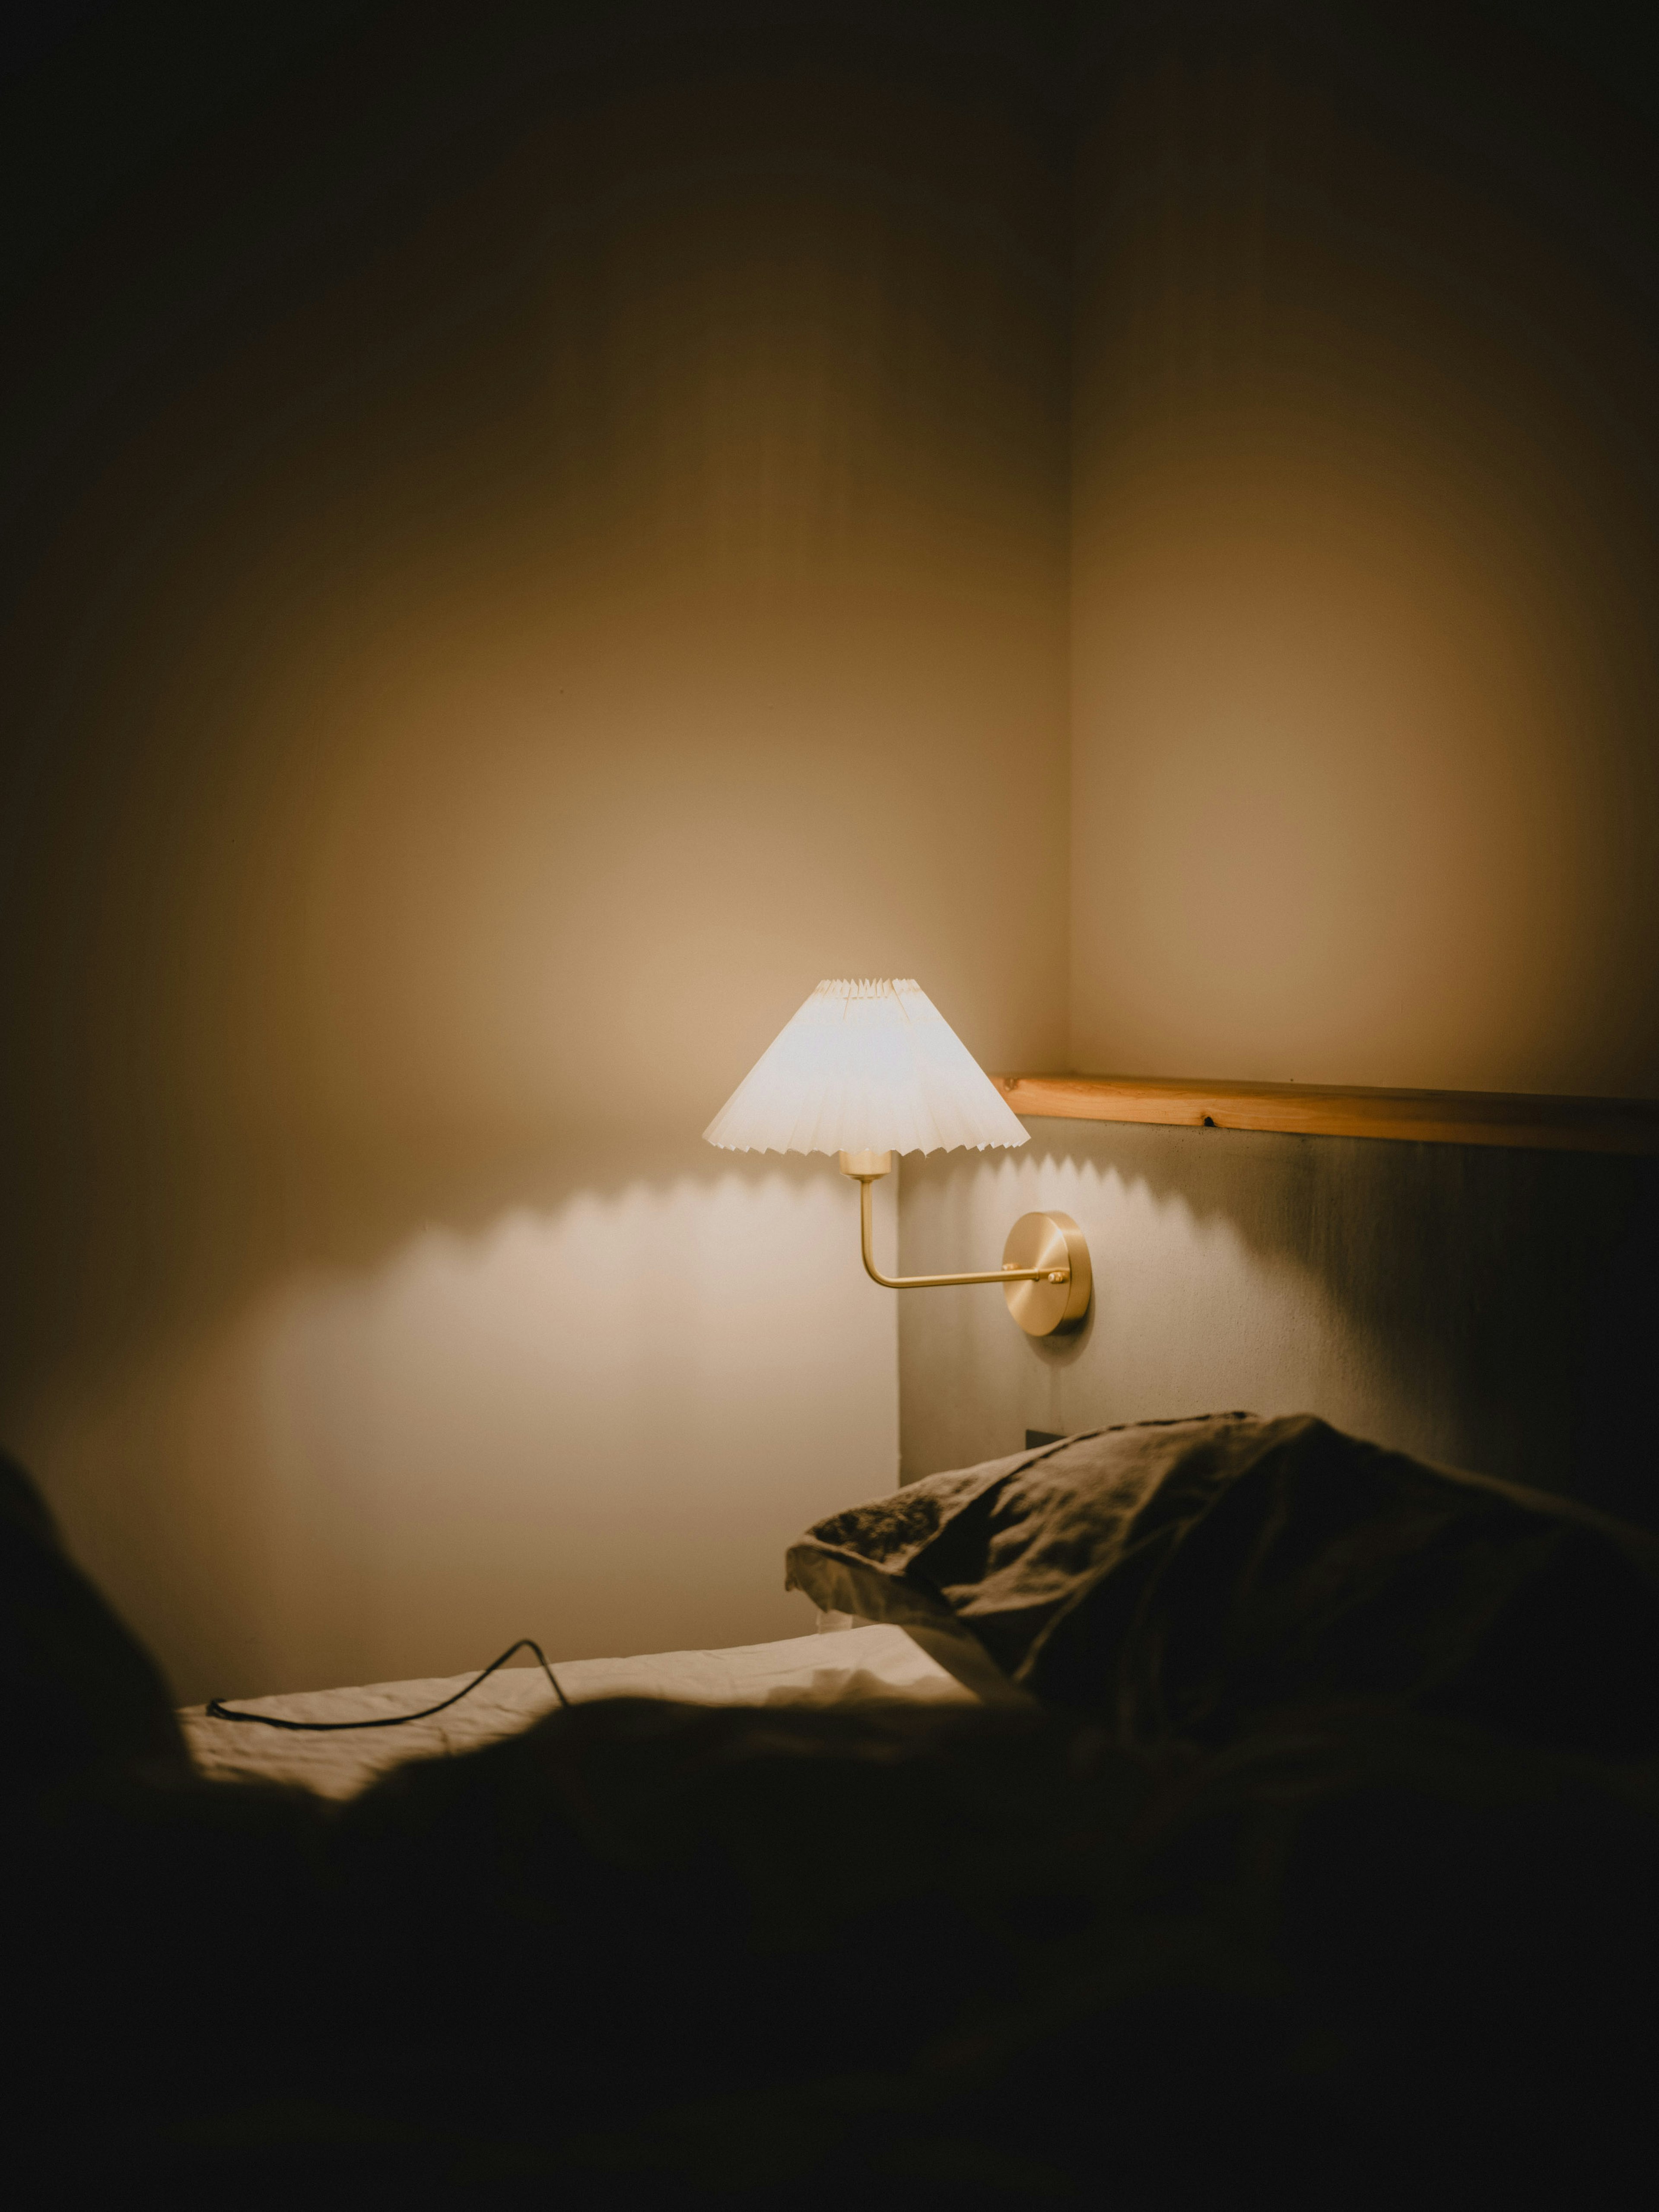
{"x": 1052, "y": 1297}
{"x": 940, "y": 1282}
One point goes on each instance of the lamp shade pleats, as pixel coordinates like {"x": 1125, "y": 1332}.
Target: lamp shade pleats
{"x": 866, "y": 1067}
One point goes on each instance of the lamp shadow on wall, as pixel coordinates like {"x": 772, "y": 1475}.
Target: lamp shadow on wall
{"x": 125, "y": 1237}
{"x": 580, "y": 1385}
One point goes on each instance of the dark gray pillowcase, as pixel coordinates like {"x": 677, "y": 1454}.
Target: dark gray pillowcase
{"x": 1172, "y": 1578}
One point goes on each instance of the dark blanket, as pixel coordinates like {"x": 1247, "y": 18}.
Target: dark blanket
{"x": 1359, "y": 1954}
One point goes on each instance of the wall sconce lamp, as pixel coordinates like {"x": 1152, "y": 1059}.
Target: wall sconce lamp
{"x": 868, "y": 1069}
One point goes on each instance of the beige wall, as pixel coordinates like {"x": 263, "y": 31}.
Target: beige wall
{"x": 602, "y": 574}
{"x": 1366, "y": 507}
{"x": 1365, "y": 784}
{"x": 522, "y": 555}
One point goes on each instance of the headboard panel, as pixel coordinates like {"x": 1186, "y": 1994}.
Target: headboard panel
{"x": 1490, "y": 1308}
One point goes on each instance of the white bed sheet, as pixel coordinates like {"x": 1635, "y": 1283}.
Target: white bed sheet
{"x": 879, "y": 1660}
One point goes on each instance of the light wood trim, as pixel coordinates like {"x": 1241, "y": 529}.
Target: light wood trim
{"x": 1433, "y": 1117}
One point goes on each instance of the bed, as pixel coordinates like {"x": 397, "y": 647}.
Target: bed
{"x": 853, "y": 1663}
{"x": 1217, "y": 1812}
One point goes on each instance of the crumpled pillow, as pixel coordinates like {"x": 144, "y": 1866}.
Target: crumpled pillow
{"x": 1172, "y": 1578}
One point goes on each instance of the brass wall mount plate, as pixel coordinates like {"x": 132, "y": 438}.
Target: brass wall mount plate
{"x": 1052, "y": 1241}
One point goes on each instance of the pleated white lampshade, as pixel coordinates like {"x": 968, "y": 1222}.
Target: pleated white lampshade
{"x": 862, "y": 1067}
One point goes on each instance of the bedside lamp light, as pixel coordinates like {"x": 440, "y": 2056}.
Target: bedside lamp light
{"x": 868, "y": 1069}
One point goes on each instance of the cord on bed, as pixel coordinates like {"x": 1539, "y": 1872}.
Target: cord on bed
{"x": 220, "y": 1712}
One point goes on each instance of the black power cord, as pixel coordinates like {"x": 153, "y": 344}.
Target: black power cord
{"x": 216, "y": 1712}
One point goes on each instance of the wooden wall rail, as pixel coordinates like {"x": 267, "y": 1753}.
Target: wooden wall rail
{"x": 1434, "y": 1117}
